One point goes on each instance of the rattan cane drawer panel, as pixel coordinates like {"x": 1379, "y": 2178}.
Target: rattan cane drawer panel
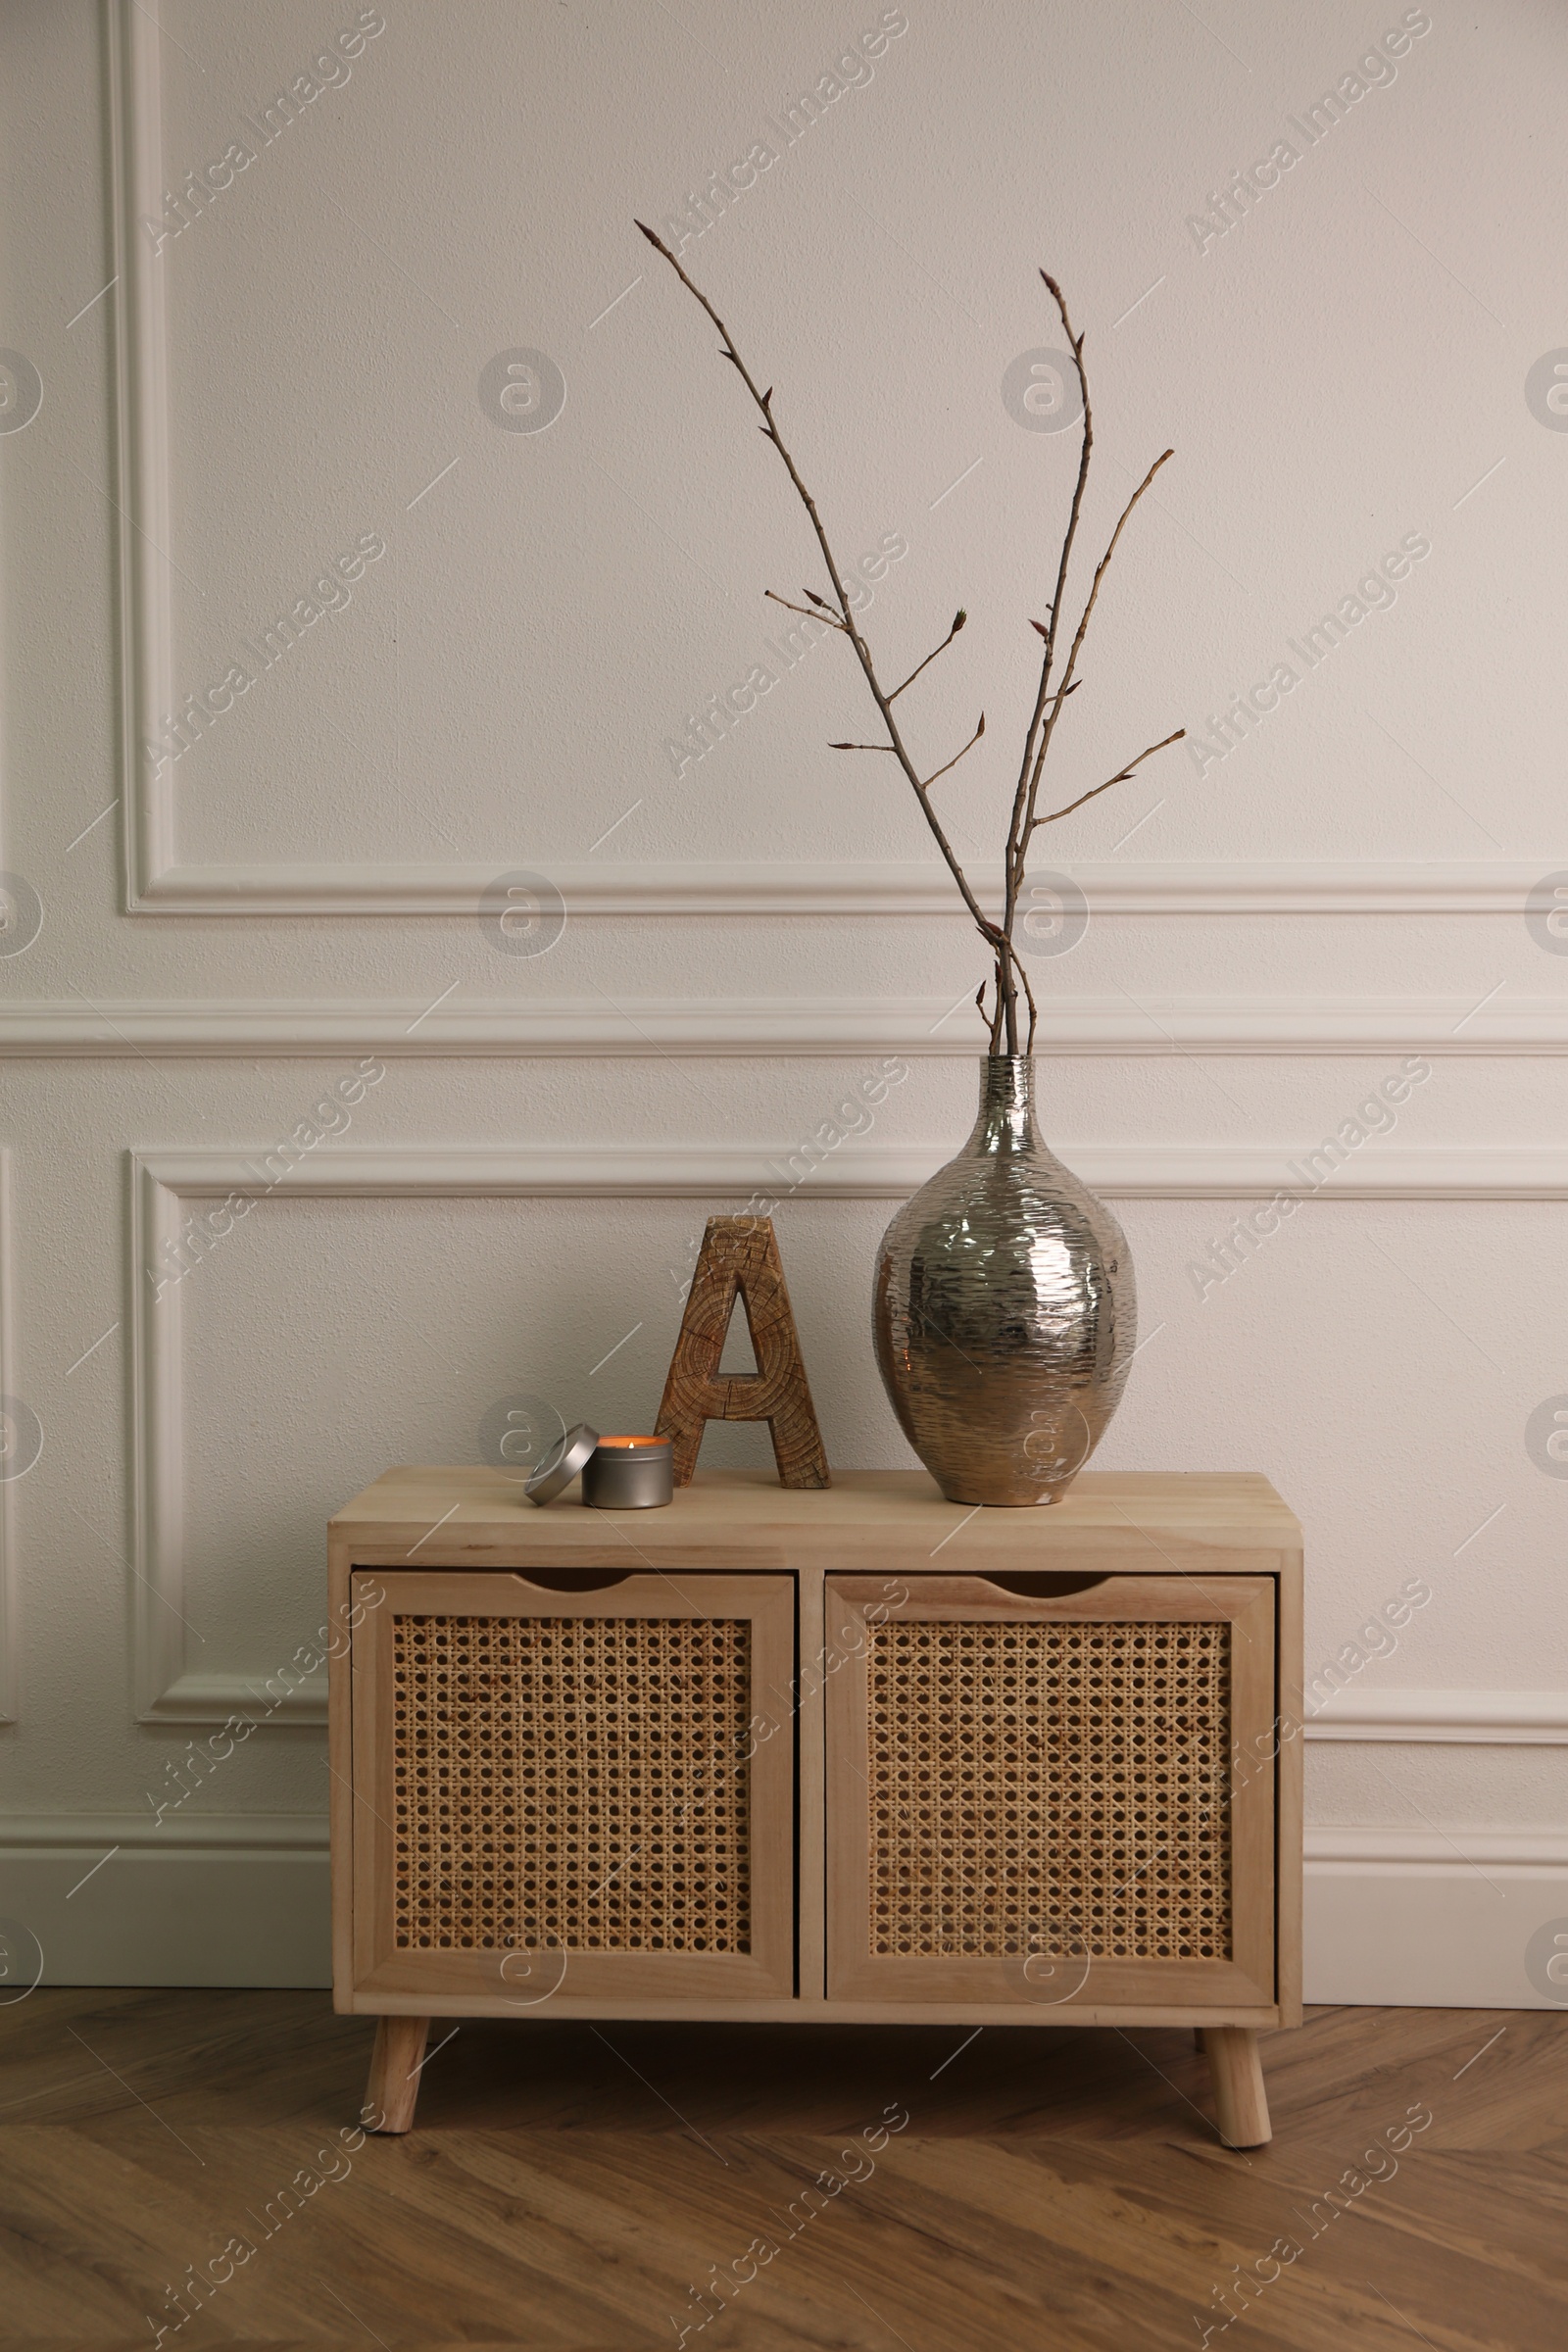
{"x": 1049, "y": 1788}
{"x": 575, "y": 1782}
{"x": 1031, "y": 1795}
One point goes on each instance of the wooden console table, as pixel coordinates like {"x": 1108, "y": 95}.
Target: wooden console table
{"x": 858, "y": 1755}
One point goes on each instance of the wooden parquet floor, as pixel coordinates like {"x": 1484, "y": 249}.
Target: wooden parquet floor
{"x": 575, "y": 2189}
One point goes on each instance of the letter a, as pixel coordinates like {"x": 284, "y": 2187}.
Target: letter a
{"x": 741, "y": 1255}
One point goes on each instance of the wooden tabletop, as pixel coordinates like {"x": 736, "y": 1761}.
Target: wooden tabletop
{"x": 439, "y": 1515}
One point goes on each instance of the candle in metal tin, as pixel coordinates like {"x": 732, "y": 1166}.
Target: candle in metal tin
{"x": 629, "y": 1474}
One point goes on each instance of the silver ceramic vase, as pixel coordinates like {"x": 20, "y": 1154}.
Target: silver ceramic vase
{"x": 1005, "y": 1310}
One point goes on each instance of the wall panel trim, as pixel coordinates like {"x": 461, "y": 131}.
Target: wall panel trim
{"x": 583, "y": 1027}
{"x": 8, "y": 1485}
{"x": 183, "y": 1833}
{"x": 155, "y": 884}
{"x": 1359, "y": 1844}
{"x": 1430, "y": 1918}
{"x": 1469, "y": 1717}
{"x": 162, "y": 1180}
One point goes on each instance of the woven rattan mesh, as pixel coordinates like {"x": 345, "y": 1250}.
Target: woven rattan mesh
{"x": 1049, "y": 1788}
{"x": 572, "y": 1782}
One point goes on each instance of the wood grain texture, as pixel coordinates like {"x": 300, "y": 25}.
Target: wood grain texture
{"x": 393, "y": 2090}
{"x": 739, "y": 1258}
{"x": 1289, "y": 1865}
{"x": 880, "y": 1520}
{"x": 806, "y": 1697}
{"x": 693, "y": 2007}
{"x": 1235, "y": 2072}
{"x": 570, "y": 2188}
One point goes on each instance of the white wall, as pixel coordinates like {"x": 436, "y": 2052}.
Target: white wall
{"x": 1346, "y": 888}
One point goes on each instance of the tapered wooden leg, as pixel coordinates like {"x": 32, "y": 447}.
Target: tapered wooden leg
{"x": 394, "y": 2083}
{"x": 1235, "y": 2072}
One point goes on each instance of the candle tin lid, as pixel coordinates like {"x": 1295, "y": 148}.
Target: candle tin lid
{"x": 562, "y": 1463}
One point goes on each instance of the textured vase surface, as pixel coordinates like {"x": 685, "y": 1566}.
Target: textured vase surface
{"x": 1004, "y": 1311}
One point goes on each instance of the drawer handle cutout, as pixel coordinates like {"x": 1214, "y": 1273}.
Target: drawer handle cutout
{"x": 572, "y": 1580}
{"x": 1044, "y": 1584}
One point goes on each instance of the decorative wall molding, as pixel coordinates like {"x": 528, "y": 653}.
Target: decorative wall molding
{"x": 1470, "y": 1718}
{"x": 228, "y": 1907}
{"x": 744, "y": 887}
{"x": 8, "y": 1485}
{"x": 162, "y": 1182}
{"x": 95, "y": 1834}
{"x": 1373, "y": 1846}
{"x": 581, "y": 1028}
{"x": 155, "y": 884}
{"x": 1383, "y": 1848}
{"x": 164, "y": 1691}
{"x": 1428, "y": 1918}
{"x": 142, "y": 434}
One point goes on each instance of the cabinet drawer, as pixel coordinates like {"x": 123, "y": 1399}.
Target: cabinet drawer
{"x": 1030, "y": 1795}
{"x": 554, "y": 1793}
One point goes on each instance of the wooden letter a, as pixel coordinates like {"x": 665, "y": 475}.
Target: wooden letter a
{"x": 741, "y": 1253}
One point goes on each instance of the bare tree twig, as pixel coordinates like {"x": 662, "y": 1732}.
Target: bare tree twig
{"x": 1018, "y": 832}
{"x": 1067, "y": 678}
{"x": 957, "y": 755}
{"x": 986, "y": 928}
{"x": 1034, "y": 1010}
{"x": 1120, "y": 777}
{"x": 1068, "y": 681}
{"x": 1009, "y": 978}
{"x": 829, "y": 621}
{"x": 959, "y": 620}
